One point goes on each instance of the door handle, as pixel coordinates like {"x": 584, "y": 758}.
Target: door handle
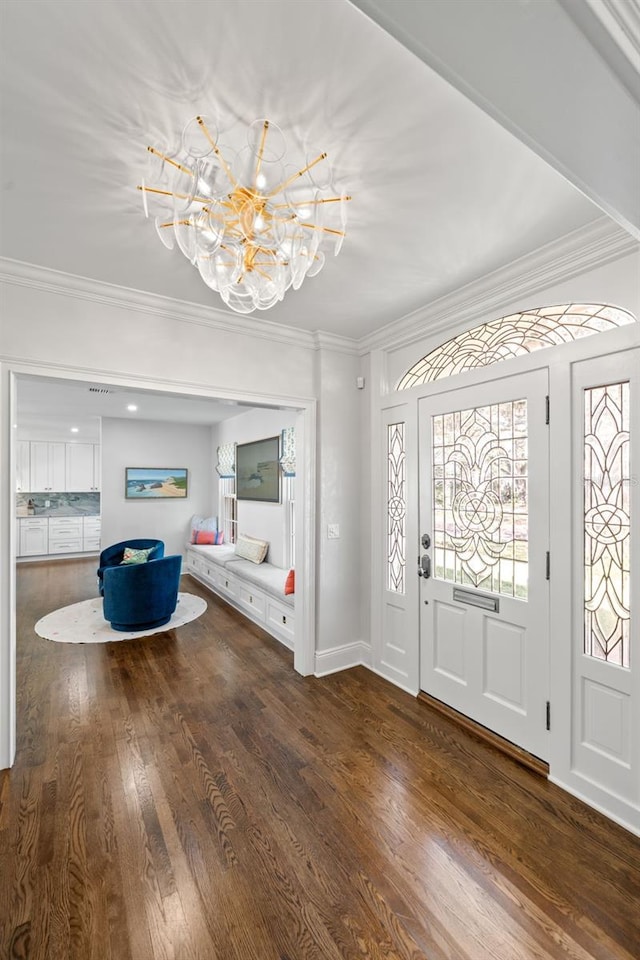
{"x": 424, "y": 570}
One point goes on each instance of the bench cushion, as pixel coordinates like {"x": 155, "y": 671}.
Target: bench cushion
{"x": 218, "y": 555}
{"x": 266, "y": 576}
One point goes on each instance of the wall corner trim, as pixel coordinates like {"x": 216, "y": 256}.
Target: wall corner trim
{"x": 354, "y": 654}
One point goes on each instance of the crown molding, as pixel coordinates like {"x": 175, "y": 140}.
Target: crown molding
{"x": 19, "y": 273}
{"x": 333, "y": 341}
{"x": 613, "y": 29}
{"x": 598, "y": 243}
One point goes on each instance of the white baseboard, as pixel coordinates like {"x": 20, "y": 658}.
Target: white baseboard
{"x": 625, "y": 814}
{"x": 90, "y": 554}
{"x": 341, "y": 658}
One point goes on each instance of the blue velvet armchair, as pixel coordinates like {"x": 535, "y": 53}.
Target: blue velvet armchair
{"x": 112, "y": 556}
{"x": 140, "y": 596}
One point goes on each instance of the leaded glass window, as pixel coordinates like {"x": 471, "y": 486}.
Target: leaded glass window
{"x": 480, "y": 497}
{"x": 514, "y": 336}
{"x": 396, "y": 508}
{"x": 607, "y": 523}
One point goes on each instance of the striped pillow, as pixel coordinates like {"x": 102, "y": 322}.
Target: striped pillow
{"x": 249, "y": 548}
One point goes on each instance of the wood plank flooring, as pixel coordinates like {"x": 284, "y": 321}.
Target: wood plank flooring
{"x": 190, "y": 797}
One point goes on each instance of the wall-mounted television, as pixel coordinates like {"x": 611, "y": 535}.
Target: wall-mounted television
{"x": 258, "y": 470}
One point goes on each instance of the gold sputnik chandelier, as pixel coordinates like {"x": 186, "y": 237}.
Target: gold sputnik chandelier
{"x": 252, "y": 226}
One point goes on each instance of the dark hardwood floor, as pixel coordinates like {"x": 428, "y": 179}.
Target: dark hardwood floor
{"x": 190, "y": 797}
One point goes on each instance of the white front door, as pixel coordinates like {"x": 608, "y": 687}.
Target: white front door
{"x": 484, "y": 507}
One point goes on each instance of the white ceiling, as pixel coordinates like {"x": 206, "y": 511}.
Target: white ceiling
{"x": 48, "y": 407}
{"x": 442, "y": 194}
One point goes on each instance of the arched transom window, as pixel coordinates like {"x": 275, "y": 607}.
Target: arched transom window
{"x": 514, "y": 336}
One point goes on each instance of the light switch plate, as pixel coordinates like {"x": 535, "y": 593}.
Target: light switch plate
{"x": 333, "y": 531}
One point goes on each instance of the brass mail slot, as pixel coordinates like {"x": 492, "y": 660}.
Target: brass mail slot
{"x": 476, "y": 599}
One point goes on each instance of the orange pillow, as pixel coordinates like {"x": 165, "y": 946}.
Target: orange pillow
{"x": 207, "y": 537}
{"x": 290, "y": 583}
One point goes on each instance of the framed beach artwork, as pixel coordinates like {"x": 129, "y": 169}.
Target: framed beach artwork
{"x": 144, "y": 483}
{"x": 258, "y": 470}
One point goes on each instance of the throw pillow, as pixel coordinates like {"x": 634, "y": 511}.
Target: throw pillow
{"x": 290, "y": 583}
{"x": 214, "y": 537}
{"x": 203, "y": 536}
{"x": 203, "y": 525}
{"x": 131, "y": 555}
{"x": 249, "y": 548}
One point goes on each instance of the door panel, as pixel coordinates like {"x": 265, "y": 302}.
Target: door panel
{"x": 484, "y": 504}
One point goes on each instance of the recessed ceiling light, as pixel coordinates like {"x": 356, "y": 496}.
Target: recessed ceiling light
{"x": 74, "y": 429}
{"x": 132, "y": 407}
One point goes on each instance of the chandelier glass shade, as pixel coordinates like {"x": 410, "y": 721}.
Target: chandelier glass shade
{"x": 251, "y": 224}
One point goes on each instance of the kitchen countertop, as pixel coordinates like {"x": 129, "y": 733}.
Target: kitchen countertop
{"x": 67, "y": 511}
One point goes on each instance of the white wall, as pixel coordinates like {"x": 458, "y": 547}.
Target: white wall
{"x": 155, "y": 339}
{"x": 149, "y": 443}
{"x": 342, "y": 483}
{"x": 267, "y": 521}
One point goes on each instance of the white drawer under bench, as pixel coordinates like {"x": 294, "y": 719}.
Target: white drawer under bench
{"x": 256, "y": 589}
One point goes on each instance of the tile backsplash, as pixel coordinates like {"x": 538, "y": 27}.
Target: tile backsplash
{"x": 81, "y": 504}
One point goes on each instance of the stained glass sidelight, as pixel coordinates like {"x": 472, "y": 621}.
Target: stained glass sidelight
{"x": 396, "y": 507}
{"x": 607, "y": 523}
{"x": 514, "y": 336}
{"x": 480, "y": 497}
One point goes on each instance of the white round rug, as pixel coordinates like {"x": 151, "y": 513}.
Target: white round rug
{"x": 84, "y": 622}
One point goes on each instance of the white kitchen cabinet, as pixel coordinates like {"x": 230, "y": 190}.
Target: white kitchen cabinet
{"x": 97, "y": 466}
{"x": 51, "y": 536}
{"x": 65, "y": 534}
{"x": 91, "y": 534}
{"x": 43, "y": 466}
{"x": 83, "y": 467}
{"x": 33, "y": 536}
{"x": 79, "y": 473}
{"x": 23, "y": 465}
{"x": 48, "y": 472}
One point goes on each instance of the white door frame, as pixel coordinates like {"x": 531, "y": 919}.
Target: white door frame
{"x": 559, "y": 360}
{"x": 305, "y": 512}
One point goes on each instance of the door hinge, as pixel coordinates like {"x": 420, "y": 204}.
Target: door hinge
{"x": 547, "y": 574}
{"x": 547, "y": 408}
{"x": 548, "y": 715}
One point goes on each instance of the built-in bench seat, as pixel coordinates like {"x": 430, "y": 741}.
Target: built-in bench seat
{"x": 256, "y": 589}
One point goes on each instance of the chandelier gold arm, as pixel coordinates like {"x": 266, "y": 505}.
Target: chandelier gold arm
{"x": 170, "y": 193}
{"x": 310, "y": 203}
{"x": 216, "y": 150}
{"x": 263, "y": 138}
{"x": 294, "y": 176}
{"x": 172, "y": 223}
{"x": 314, "y": 226}
{"x": 173, "y": 163}
{"x": 257, "y": 269}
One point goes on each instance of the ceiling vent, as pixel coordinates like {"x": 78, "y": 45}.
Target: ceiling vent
{"x": 100, "y": 390}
